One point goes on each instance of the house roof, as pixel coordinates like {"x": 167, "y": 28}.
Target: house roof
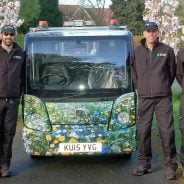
{"x": 77, "y": 12}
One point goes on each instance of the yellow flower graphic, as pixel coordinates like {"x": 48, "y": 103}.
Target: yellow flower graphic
{"x": 55, "y": 141}
{"x": 118, "y": 110}
{"x": 61, "y": 138}
{"x": 65, "y": 153}
{"x": 54, "y": 128}
{"x": 50, "y": 105}
{"x": 73, "y": 140}
{"x": 36, "y": 153}
{"x": 48, "y": 137}
{"x": 127, "y": 150}
{"x": 102, "y": 141}
{"x": 29, "y": 131}
{"x": 133, "y": 118}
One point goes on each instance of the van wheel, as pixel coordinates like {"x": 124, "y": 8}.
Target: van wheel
{"x": 124, "y": 156}
{"x": 35, "y": 157}
{"x": 127, "y": 156}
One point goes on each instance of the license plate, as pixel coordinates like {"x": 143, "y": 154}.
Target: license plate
{"x": 80, "y": 147}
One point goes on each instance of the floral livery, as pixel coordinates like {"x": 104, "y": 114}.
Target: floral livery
{"x": 110, "y": 123}
{"x": 79, "y": 113}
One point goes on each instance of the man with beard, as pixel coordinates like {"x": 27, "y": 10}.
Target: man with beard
{"x": 11, "y": 80}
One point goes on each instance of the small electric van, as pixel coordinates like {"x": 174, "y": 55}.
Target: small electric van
{"x": 78, "y": 98}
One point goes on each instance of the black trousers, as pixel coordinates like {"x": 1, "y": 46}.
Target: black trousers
{"x": 162, "y": 107}
{"x": 8, "y": 121}
{"x": 182, "y": 128}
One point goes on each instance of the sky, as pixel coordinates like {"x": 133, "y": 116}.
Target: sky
{"x": 74, "y": 2}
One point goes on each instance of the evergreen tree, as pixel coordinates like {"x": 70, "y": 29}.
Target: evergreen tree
{"x": 180, "y": 12}
{"x": 29, "y": 12}
{"x": 50, "y": 12}
{"x": 130, "y": 13}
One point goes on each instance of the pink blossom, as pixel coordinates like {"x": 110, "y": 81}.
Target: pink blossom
{"x": 9, "y": 11}
{"x": 164, "y": 15}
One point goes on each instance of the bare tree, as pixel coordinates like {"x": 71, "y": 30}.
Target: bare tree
{"x": 88, "y": 10}
{"x": 97, "y": 10}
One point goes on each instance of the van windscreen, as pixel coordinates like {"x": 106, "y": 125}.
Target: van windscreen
{"x": 78, "y": 63}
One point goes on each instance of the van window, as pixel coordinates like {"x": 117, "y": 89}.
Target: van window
{"x": 68, "y": 63}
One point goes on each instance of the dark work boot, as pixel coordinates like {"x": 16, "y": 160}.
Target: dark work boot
{"x": 5, "y": 171}
{"x": 141, "y": 170}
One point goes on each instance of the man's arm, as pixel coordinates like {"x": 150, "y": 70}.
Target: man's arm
{"x": 133, "y": 69}
{"x": 172, "y": 66}
{"x": 179, "y": 68}
{"x": 22, "y": 75}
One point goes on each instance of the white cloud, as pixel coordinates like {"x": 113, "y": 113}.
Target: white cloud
{"x": 76, "y": 2}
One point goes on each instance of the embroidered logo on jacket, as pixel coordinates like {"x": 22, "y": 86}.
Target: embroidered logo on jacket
{"x": 161, "y": 54}
{"x": 17, "y": 57}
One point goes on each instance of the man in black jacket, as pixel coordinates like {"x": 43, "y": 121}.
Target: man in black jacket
{"x": 180, "y": 79}
{"x": 11, "y": 77}
{"x": 153, "y": 71}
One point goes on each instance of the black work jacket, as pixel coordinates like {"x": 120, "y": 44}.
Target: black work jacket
{"x": 11, "y": 71}
{"x": 153, "y": 72}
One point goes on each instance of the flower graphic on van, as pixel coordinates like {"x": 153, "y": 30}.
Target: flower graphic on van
{"x": 48, "y": 137}
{"x": 56, "y": 141}
{"x": 73, "y": 140}
{"x": 61, "y": 138}
{"x": 36, "y": 153}
{"x": 103, "y": 126}
{"x": 127, "y": 150}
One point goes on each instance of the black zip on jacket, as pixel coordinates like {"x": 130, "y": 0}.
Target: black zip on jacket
{"x": 11, "y": 71}
{"x": 153, "y": 72}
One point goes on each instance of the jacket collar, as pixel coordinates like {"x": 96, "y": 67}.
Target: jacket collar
{"x": 143, "y": 42}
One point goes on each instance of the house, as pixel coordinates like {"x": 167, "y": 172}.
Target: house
{"x": 76, "y": 12}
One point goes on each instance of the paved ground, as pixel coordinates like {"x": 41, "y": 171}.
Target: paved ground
{"x": 82, "y": 170}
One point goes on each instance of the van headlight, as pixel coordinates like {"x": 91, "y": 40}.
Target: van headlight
{"x": 123, "y": 112}
{"x": 123, "y": 117}
{"x": 35, "y": 114}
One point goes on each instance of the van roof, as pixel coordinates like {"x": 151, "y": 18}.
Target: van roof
{"x": 79, "y": 31}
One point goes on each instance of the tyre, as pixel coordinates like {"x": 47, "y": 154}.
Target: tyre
{"x": 36, "y": 157}
{"x": 124, "y": 156}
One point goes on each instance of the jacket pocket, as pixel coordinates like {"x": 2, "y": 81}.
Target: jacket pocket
{"x": 161, "y": 85}
{"x": 15, "y": 88}
{"x": 143, "y": 87}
